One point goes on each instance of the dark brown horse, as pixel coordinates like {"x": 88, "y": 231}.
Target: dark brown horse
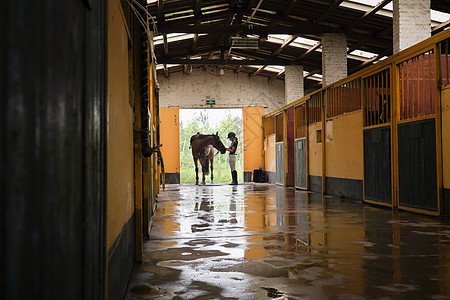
{"x": 202, "y": 149}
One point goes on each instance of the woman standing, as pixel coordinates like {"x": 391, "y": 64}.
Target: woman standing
{"x": 232, "y": 156}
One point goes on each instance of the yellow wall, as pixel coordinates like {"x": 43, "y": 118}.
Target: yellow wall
{"x": 120, "y": 195}
{"x": 315, "y": 150}
{"x": 344, "y": 148}
{"x": 253, "y": 135}
{"x": 170, "y": 138}
{"x": 446, "y": 135}
{"x": 269, "y": 147}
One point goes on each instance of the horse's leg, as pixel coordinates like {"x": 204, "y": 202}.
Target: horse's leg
{"x": 212, "y": 168}
{"x": 196, "y": 171}
{"x": 203, "y": 175}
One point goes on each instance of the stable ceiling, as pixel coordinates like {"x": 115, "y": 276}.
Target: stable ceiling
{"x": 197, "y": 34}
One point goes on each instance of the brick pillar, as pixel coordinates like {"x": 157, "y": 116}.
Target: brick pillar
{"x": 293, "y": 83}
{"x": 334, "y": 57}
{"x": 412, "y": 23}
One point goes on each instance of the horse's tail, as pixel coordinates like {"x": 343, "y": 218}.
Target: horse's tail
{"x": 206, "y": 166}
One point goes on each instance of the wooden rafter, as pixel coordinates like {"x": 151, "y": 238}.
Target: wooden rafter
{"x": 223, "y": 62}
{"x": 279, "y": 74}
{"x": 166, "y": 45}
{"x": 166, "y": 71}
{"x": 313, "y": 72}
{"x": 285, "y": 43}
{"x": 367, "y": 15}
{"x": 258, "y": 71}
{"x": 309, "y": 51}
{"x": 330, "y": 9}
{"x": 370, "y": 61}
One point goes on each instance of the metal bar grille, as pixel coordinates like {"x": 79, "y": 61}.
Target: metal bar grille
{"x": 344, "y": 98}
{"x": 314, "y": 112}
{"x": 417, "y": 81}
{"x": 300, "y": 121}
{"x": 377, "y": 98}
{"x": 279, "y": 128}
{"x": 445, "y": 67}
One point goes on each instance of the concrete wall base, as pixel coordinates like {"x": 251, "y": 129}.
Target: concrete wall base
{"x": 172, "y": 178}
{"x": 120, "y": 261}
{"x": 342, "y": 187}
{"x": 315, "y": 184}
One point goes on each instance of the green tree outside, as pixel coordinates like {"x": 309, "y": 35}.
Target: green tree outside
{"x": 200, "y": 123}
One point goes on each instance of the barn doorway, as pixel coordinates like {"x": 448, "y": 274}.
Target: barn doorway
{"x": 208, "y": 121}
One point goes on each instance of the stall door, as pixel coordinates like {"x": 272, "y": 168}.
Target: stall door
{"x": 279, "y": 148}
{"x": 300, "y": 163}
{"x": 417, "y": 174}
{"x": 377, "y": 165}
{"x": 417, "y": 159}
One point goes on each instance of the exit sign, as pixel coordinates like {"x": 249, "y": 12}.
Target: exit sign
{"x": 210, "y": 102}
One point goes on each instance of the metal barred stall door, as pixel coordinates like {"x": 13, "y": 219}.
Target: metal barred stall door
{"x": 279, "y": 148}
{"x": 417, "y": 165}
{"x": 377, "y": 138}
{"x": 301, "y": 171}
{"x": 280, "y": 162}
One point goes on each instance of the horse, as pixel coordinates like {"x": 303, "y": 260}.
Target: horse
{"x": 203, "y": 149}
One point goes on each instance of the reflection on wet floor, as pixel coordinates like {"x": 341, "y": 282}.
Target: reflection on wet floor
{"x": 260, "y": 241}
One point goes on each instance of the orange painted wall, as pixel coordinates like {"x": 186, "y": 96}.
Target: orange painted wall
{"x": 120, "y": 159}
{"x": 315, "y": 150}
{"x": 344, "y": 148}
{"x": 170, "y": 138}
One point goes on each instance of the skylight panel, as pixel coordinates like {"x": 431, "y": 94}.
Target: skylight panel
{"x": 161, "y": 66}
{"x": 213, "y": 7}
{"x": 362, "y": 53}
{"x": 173, "y": 37}
{"x": 276, "y": 69}
{"x": 439, "y": 16}
{"x": 305, "y": 41}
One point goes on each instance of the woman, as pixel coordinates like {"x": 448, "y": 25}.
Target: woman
{"x": 232, "y": 156}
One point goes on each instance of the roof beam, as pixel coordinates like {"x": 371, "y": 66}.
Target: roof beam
{"x": 297, "y": 29}
{"x": 313, "y": 72}
{"x": 366, "y": 40}
{"x": 183, "y": 61}
{"x": 285, "y": 43}
{"x": 271, "y": 78}
{"x": 289, "y": 8}
{"x": 440, "y": 27}
{"x": 166, "y": 44}
{"x": 258, "y": 71}
{"x": 368, "y": 14}
{"x": 309, "y": 51}
{"x": 159, "y": 12}
{"x": 197, "y": 14}
{"x": 370, "y": 61}
{"x": 166, "y": 71}
{"x": 330, "y": 9}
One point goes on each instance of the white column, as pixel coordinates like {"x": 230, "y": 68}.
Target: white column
{"x": 334, "y": 57}
{"x": 412, "y": 23}
{"x": 293, "y": 83}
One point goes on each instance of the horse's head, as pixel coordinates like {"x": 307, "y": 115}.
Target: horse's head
{"x": 218, "y": 143}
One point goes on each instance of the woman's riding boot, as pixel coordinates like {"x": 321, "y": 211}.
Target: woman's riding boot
{"x": 234, "y": 175}
{"x": 232, "y": 178}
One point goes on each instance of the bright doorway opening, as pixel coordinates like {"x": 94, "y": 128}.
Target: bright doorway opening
{"x": 208, "y": 121}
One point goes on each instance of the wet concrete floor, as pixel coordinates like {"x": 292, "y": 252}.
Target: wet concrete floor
{"x": 261, "y": 241}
